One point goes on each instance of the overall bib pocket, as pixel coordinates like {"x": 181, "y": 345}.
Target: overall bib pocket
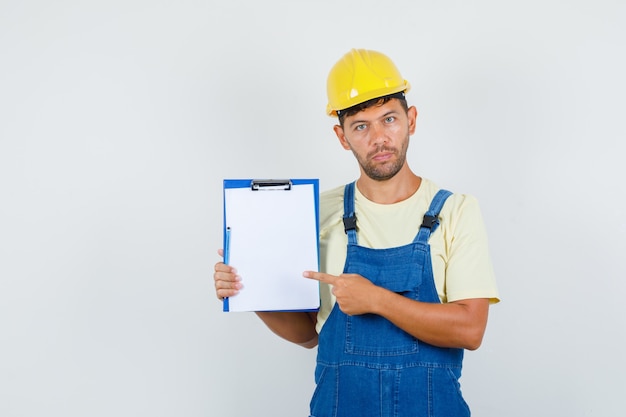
{"x": 373, "y": 335}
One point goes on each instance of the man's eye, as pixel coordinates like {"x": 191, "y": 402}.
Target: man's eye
{"x": 390, "y": 119}
{"x": 360, "y": 127}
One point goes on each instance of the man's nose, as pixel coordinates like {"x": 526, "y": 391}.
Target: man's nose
{"x": 377, "y": 134}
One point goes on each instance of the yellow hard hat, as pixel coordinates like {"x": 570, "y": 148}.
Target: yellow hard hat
{"x": 359, "y": 76}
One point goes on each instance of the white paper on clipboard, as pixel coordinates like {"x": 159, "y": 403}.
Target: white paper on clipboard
{"x": 273, "y": 239}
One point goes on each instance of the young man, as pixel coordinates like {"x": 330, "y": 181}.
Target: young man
{"x": 407, "y": 279}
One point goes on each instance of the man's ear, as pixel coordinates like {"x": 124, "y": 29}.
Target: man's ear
{"x": 412, "y": 115}
{"x": 341, "y": 136}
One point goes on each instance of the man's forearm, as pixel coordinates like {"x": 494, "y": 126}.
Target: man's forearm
{"x": 459, "y": 324}
{"x": 296, "y": 327}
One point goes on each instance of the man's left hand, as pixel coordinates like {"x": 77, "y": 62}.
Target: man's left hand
{"x": 354, "y": 293}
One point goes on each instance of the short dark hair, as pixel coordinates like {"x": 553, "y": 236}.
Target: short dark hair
{"x": 378, "y": 101}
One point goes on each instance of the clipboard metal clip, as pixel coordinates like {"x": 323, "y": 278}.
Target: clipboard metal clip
{"x": 270, "y": 185}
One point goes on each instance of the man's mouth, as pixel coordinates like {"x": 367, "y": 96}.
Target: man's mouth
{"x": 381, "y": 155}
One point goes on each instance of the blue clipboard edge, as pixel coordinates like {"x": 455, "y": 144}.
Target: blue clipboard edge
{"x": 243, "y": 183}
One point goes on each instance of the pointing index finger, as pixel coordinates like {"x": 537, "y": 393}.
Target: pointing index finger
{"x": 319, "y": 276}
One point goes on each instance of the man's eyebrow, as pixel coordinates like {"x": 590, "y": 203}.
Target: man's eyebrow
{"x": 357, "y": 122}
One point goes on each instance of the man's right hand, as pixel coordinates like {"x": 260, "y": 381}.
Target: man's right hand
{"x": 296, "y": 327}
{"x": 227, "y": 282}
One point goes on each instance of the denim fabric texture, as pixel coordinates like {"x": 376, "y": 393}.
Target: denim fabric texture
{"x": 368, "y": 367}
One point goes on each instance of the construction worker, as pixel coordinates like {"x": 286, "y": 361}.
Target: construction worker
{"x": 406, "y": 279}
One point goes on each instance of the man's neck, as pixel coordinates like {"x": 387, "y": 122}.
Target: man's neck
{"x": 398, "y": 188}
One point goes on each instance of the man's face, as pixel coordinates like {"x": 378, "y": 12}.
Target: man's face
{"x": 379, "y": 138}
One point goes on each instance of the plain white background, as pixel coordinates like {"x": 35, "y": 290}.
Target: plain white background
{"x": 119, "y": 120}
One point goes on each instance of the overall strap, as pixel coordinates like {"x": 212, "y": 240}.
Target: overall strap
{"x": 431, "y": 218}
{"x": 349, "y": 217}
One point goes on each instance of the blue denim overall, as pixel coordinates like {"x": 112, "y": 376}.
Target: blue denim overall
{"x": 368, "y": 367}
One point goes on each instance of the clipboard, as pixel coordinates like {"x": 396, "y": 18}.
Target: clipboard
{"x": 271, "y": 235}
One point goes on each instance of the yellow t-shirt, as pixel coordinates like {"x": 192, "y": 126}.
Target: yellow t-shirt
{"x": 461, "y": 264}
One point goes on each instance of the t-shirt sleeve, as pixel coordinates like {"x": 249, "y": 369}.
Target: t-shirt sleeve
{"x": 468, "y": 271}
